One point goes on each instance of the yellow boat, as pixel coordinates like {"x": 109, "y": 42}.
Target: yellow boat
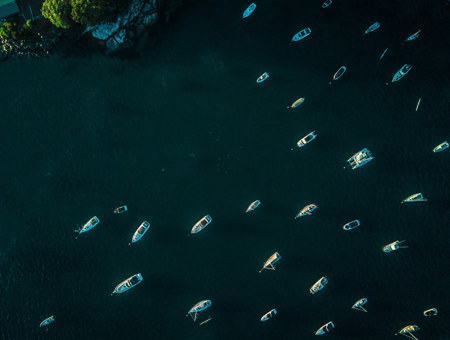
{"x": 298, "y": 102}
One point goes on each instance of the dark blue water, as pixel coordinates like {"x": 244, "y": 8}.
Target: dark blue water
{"x": 178, "y": 128}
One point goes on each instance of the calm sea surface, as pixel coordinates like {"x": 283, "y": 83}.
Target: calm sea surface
{"x": 178, "y": 128}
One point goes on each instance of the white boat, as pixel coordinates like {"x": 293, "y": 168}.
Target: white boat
{"x": 262, "y": 77}
{"x": 351, "y": 225}
{"x": 301, "y": 34}
{"x": 415, "y": 198}
{"x": 88, "y": 225}
{"x": 358, "y": 305}
{"x": 441, "y": 147}
{"x": 418, "y": 103}
{"x": 308, "y": 138}
{"x": 318, "y": 285}
{"x": 120, "y": 210}
{"x": 325, "y": 328}
{"x": 406, "y": 331}
{"x": 401, "y": 73}
{"x": 297, "y": 103}
{"x": 384, "y": 52}
{"x": 414, "y": 36}
{"x": 372, "y": 28}
{"x": 327, "y": 3}
{"x": 253, "y": 206}
{"x": 339, "y": 73}
{"x": 140, "y": 232}
{"x": 393, "y": 246}
{"x": 47, "y": 321}
{"x": 269, "y": 264}
{"x": 269, "y": 315}
{"x": 200, "y": 225}
{"x": 128, "y": 284}
{"x": 360, "y": 158}
{"x": 430, "y": 312}
{"x": 199, "y": 306}
{"x": 307, "y": 210}
{"x": 248, "y": 11}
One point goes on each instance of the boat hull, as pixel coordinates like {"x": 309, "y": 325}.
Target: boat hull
{"x": 140, "y": 231}
{"x": 248, "y": 11}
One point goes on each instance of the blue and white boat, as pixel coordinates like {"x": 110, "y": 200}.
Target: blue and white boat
{"x": 308, "y": 138}
{"x": 327, "y": 3}
{"x": 401, "y": 73}
{"x": 325, "y": 328}
{"x": 372, "y": 28}
{"x": 94, "y": 221}
{"x": 248, "y": 11}
{"x": 199, "y": 306}
{"x": 351, "y": 225}
{"x": 128, "y": 284}
{"x": 441, "y": 147}
{"x": 140, "y": 232}
{"x": 47, "y": 321}
{"x": 269, "y": 264}
{"x": 318, "y": 285}
{"x": 360, "y": 158}
{"x": 358, "y": 305}
{"x": 269, "y": 315}
{"x": 301, "y": 34}
{"x": 202, "y": 224}
{"x": 253, "y": 206}
{"x": 393, "y": 246}
{"x": 262, "y": 77}
{"x": 414, "y": 36}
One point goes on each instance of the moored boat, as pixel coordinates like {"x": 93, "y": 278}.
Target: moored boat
{"x": 297, "y": 103}
{"x": 418, "y": 197}
{"x": 430, "y": 312}
{"x": 94, "y": 221}
{"x": 358, "y": 305}
{"x": 200, "y": 225}
{"x": 393, "y": 246}
{"x": 401, "y": 73}
{"x": 360, "y": 158}
{"x": 253, "y": 206}
{"x": 198, "y": 307}
{"x": 414, "y": 36}
{"x": 351, "y": 225}
{"x": 418, "y": 103}
{"x": 120, "y": 210}
{"x": 441, "y": 147}
{"x": 339, "y": 73}
{"x": 325, "y": 328}
{"x": 128, "y": 284}
{"x": 372, "y": 28}
{"x": 327, "y": 3}
{"x": 318, "y": 285}
{"x": 248, "y": 11}
{"x": 384, "y": 52}
{"x": 262, "y": 77}
{"x": 47, "y": 321}
{"x": 269, "y": 315}
{"x": 406, "y": 331}
{"x": 269, "y": 264}
{"x": 301, "y": 34}
{"x": 140, "y": 231}
{"x": 308, "y": 138}
{"x": 307, "y": 210}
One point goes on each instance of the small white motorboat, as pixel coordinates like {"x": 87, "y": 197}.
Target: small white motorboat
{"x": 418, "y": 103}
{"x": 269, "y": 315}
{"x": 401, "y": 73}
{"x": 47, "y": 321}
{"x": 128, "y": 284}
{"x": 199, "y": 306}
{"x": 372, "y": 28}
{"x": 414, "y": 36}
{"x": 384, "y": 52}
{"x": 327, "y": 3}
{"x": 308, "y": 138}
{"x": 200, "y": 225}
{"x": 406, "y": 331}
{"x": 88, "y": 225}
{"x": 120, "y": 210}
{"x": 393, "y": 246}
{"x": 262, "y": 77}
{"x": 318, "y": 285}
{"x": 253, "y": 206}
{"x": 415, "y": 198}
{"x": 297, "y": 103}
{"x": 249, "y": 10}
{"x": 307, "y": 210}
{"x": 301, "y": 34}
{"x": 325, "y": 328}
{"x": 430, "y": 312}
{"x": 269, "y": 264}
{"x": 339, "y": 73}
{"x": 140, "y": 232}
{"x": 351, "y": 225}
{"x": 360, "y": 158}
{"x": 358, "y": 305}
{"x": 441, "y": 147}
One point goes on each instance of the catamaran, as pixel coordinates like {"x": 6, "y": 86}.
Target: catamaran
{"x": 414, "y": 36}
{"x": 360, "y": 158}
{"x": 359, "y": 305}
{"x": 297, "y": 103}
{"x": 406, "y": 331}
{"x": 308, "y": 138}
{"x": 269, "y": 264}
{"x": 307, "y": 210}
{"x": 47, "y": 321}
{"x": 318, "y": 285}
{"x": 441, "y": 147}
{"x": 351, "y": 225}
{"x": 269, "y": 315}
{"x": 430, "y": 312}
{"x": 200, "y": 225}
{"x": 301, "y": 34}
{"x": 128, "y": 284}
{"x": 327, "y": 3}
{"x": 248, "y": 11}
{"x": 253, "y": 206}
{"x": 199, "y": 306}
{"x": 415, "y": 198}
{"x": 393, "y": 246}
{"x": 325, "y": 328}
{"x": 262, "y": 77}
{"x": 339, "y": 73}
{"x": 120, "y": 210}
{"x": 140, "y": 232}
{"x": 88, "y": 225}
{"x": 401, "y": 73}
{"x": 372, "y": 28}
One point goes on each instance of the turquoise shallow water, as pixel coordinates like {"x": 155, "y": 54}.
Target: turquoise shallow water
{"x": 179, "y": 129}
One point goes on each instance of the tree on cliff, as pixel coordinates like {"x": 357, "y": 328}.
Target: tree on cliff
{"x": 58, "y": 12}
